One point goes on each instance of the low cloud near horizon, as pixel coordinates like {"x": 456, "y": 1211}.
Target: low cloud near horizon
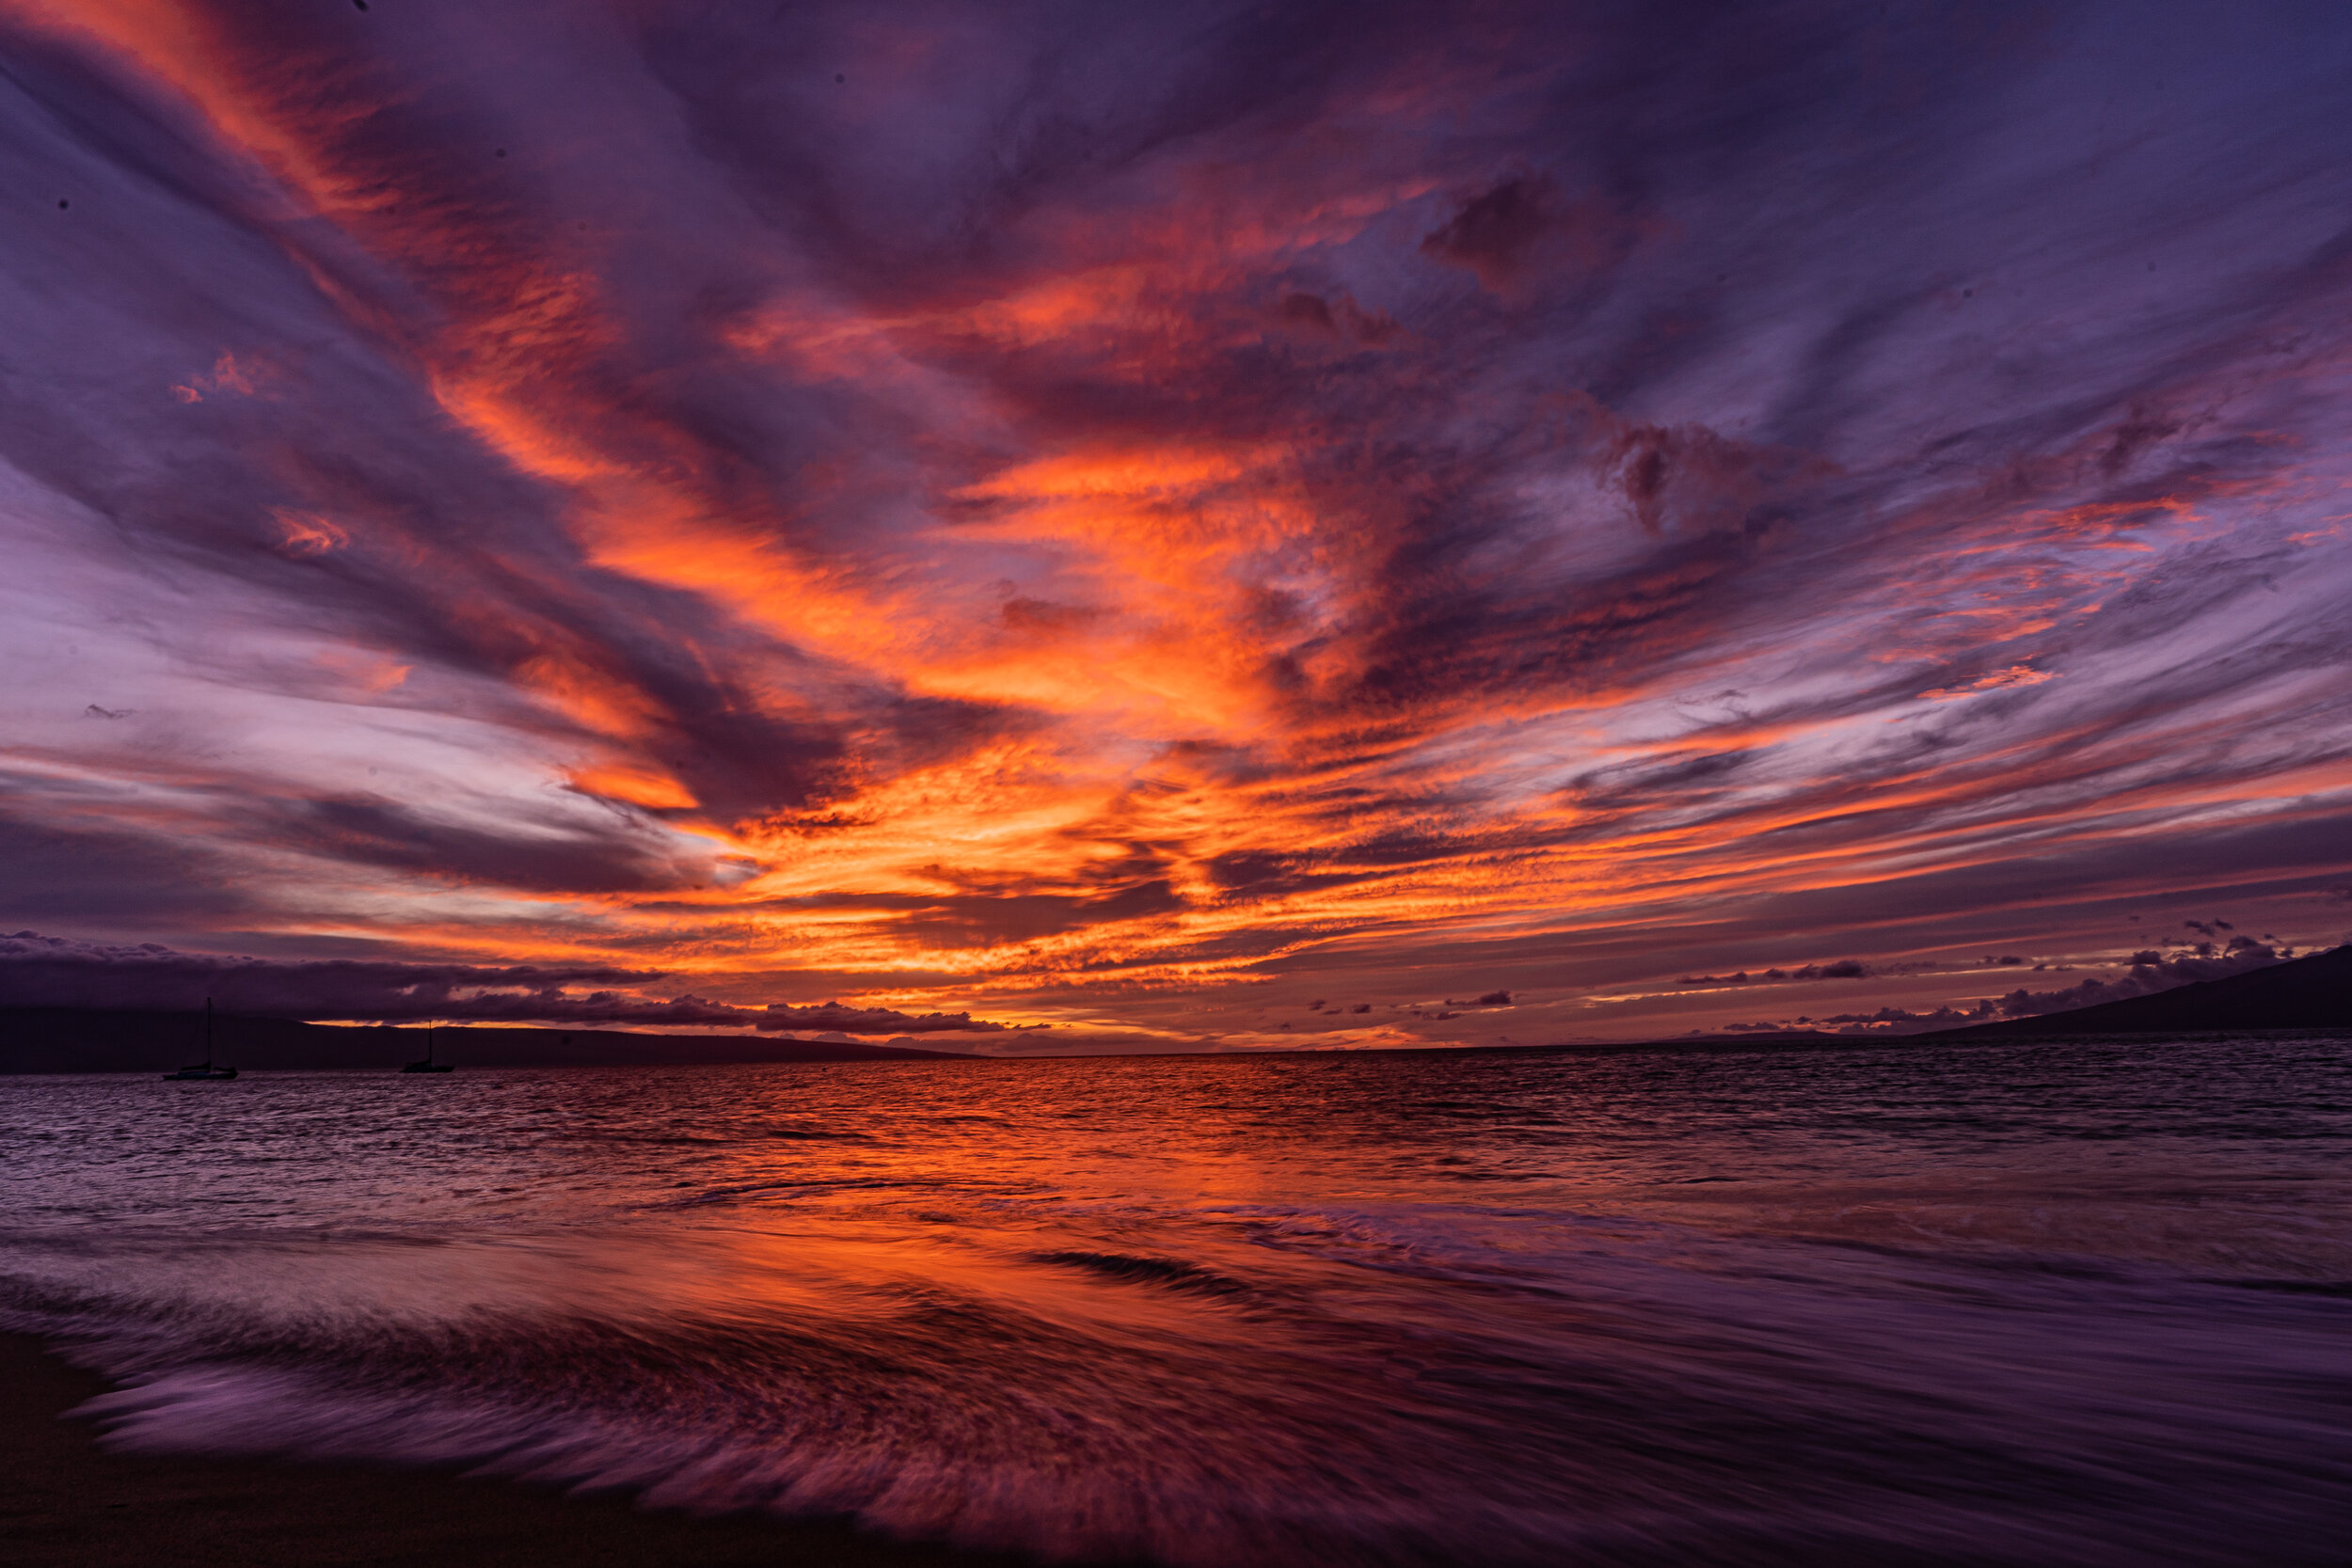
{"x": 57, "y": 972}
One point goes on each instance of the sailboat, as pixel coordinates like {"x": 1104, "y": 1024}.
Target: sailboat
{"x": 203, "y": 1070}
{"x": 429, "y": 1065}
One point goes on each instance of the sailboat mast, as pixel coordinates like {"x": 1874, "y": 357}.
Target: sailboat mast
{"x": 208, "y": 1031}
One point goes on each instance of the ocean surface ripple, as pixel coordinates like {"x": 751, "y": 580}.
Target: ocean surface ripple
{"x": 1984, "y": 1305}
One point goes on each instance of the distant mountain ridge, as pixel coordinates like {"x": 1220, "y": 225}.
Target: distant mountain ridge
{"x": 74, "y": 1039}
{"x": 2314, "y": 992}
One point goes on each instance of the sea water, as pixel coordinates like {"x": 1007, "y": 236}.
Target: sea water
{"x": 1980, "y": 1304}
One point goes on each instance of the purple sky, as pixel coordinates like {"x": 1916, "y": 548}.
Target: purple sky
{"x": 1141, "y": 519}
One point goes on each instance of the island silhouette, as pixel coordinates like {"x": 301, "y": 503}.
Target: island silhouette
{"x": 82, "y": 1039}
{"x": 2313, "y": 992}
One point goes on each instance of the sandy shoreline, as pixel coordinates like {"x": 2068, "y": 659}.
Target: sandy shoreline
{"x": 65, "y": 1500}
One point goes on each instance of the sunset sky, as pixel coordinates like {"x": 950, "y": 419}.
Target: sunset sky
{"x": 1502, "y": 523}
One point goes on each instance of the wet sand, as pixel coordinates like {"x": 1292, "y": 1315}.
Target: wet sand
{"x": 66, "y": 1500}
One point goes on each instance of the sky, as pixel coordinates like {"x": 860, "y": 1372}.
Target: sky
{"x": 1171, "y": 527}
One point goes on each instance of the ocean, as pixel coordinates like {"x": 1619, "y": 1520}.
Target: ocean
{"x": 1983, "y": 1303}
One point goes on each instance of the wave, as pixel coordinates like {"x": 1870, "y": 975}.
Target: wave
{"x": 1169, "y": 1273}
{"x": 1597, "y": 1404}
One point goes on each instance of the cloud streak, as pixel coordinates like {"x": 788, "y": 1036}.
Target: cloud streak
{"x": 57, "y": 972}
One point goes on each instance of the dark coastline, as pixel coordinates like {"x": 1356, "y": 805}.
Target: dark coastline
{"x": 67, "y": 1502}
{"x": 1736, "y": 1046}
{"x": 2311, "y": 995}
{"x": 2302, "y": 997}
{"x": 81, "y": 1039}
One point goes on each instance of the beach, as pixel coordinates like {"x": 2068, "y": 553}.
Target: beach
{"x": 66, "y": 1501}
